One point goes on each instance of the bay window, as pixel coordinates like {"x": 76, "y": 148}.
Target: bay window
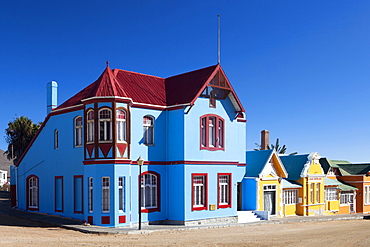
{"x": 105, "y": 125}
{"x": 121, "y": 125}
{"x": 90, "y": 126}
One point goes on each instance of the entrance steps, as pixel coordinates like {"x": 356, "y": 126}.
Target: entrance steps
{"x": 247, "y": 216}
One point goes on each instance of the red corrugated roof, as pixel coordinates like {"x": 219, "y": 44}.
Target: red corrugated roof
{"x": 146, "y": 89}
{"x": 182, "y": 89}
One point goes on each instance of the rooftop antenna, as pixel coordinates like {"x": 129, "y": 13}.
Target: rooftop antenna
{"x": 218, "y": 41}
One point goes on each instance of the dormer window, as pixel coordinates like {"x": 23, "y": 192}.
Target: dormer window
{"x": 121, "y": 125}
{"x": 90, "y": 126}
{"x": 105, "y": 125}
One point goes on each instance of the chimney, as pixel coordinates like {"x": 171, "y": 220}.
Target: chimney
{"x": 265, "y": 139}
{"x": 51, "y": 96}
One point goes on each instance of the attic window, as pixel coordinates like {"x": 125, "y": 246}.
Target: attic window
{"x": 212, "y": 100}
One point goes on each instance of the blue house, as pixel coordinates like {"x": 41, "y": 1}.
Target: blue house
{"x": 189, "y": 129}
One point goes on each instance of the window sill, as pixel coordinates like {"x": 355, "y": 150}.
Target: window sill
{"x": 224, "y": 206}
{"x": 212, "y": 148}
{"x": 78, "y": 146}
{"x": 198, "y": 208}
{"x": 149, "y": 210}
{"x": 110, "y": 141}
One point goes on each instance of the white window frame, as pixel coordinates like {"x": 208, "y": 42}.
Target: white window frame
{"x": 318, "y": 188}
{"x": 78, "y": 131}
{"x": 121, "y": 194}
{"x": 290, "y": 197}
{"x": 105, "y": 194}
{"x": 149, "y": 191}
{"x": 90, "y": 126}
{"x": 331, "y": 194}
{"x": 312, "y": 193}
{"x": 33, "y": 192}
{"x": 224, "y": 189}
{"x": 148, "y": 130}
{"x": 121, "y": 125}
{"x": 199, "y": 191}
{"x": 105, "y": 125}
{"x": 367, "y": 194}
{"x": 346, "y": 197}
{"x": 90, "y": 194}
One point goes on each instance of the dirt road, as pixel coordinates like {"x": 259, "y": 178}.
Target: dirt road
{"x": 20, "y": 232}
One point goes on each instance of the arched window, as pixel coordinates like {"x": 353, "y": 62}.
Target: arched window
{"x": 149, "y": 186}
{"x": 56, "y": 139}
{"x": 78, "y": 131}
{"x": 105, "y": 125}
{"x": 148, "y": 126}
{"x": 32, "y": 193}
{"x": 90, "y": 126}
{"x": 212, "y": 132}
{"x": 121, "y": 125}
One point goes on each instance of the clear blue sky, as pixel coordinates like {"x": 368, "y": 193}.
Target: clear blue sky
{"x": 300, "y": 68}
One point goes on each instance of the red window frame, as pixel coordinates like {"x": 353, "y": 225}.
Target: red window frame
{"x": 218, "y": 135}
{"x": 55, "y": 193}
{"x": 75, "y": 177}
{"x": 228, "y": 205}
{"x": 28, "y": 193}
{"x": 158, "y": 208}
{"x": 205, "y": 206}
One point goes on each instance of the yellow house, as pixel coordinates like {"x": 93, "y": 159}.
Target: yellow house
{"x": 262, "y": 182}
{"x": 307, "y": 171}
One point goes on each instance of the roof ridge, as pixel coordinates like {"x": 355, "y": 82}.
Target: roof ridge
{"x": 115, "y": 71}
{"x": 192, "y": 71}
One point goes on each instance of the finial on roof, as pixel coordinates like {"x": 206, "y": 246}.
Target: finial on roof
{"x": 218, "y": 40}
{"x": 107, "y": 62}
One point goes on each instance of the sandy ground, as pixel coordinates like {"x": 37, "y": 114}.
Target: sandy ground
{"x": 20, "y": 232}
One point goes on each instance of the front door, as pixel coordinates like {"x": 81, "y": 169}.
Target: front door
{"x": 269, "y": 202}
{"x": 352, "y": 208}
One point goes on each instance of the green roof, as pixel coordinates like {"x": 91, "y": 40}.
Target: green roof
{"x": 354, "y": 169}
{"x": 341, "y": 185}
{"x": 286, "y": 184}
{"x": 294, "y": 165}
{"x": 326, "y": 163}
{"x": 328, "y": 182}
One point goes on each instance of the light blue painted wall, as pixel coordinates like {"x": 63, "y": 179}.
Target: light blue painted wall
{"x": 46, "y": 162}
{"x": 157, "y": 152}
{"x": 175, "y": 135}
{"x": 212, "y": 171}
{"x": 235, "y": 132}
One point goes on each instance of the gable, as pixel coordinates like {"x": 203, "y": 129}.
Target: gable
{"x": 269, "y": 171}
{"x": 263, "y": 163}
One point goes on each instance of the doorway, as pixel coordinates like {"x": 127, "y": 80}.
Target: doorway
{"x": 269, "y": 199}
